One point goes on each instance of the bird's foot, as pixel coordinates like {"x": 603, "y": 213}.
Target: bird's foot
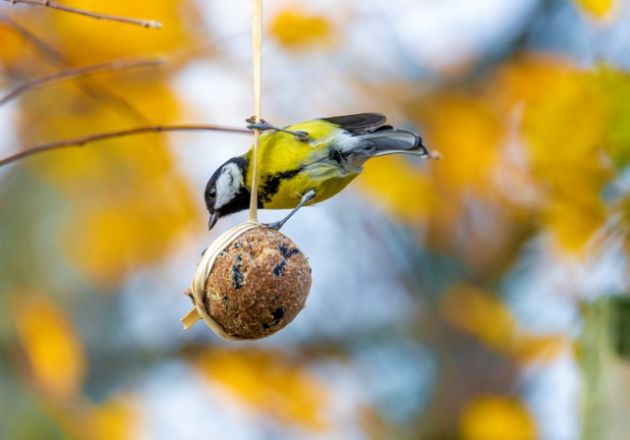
{"x": 264, "y": 126}
{"x": 275, "y": 225}
{"x": 307, "y": 197}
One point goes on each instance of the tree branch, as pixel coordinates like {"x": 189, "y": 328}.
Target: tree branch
{"x": 52, "y": 55}
{"x": 78, "y": 72}
{"x": 83, "y": 140}
{"x": 153, "y": 24}
{"x": 41, "y": 45}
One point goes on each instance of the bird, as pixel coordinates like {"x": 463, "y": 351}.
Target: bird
{"x": 305, "y": 163}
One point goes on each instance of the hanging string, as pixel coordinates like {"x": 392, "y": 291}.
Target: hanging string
{"x": 257, "y": 64}
{"x": 204, "y": 268}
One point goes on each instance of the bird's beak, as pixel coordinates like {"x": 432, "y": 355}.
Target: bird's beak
{"x": 417, "y": 150}
{"x": 213, "y": 220}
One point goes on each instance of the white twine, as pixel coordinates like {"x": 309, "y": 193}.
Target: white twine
{"x": 205, "y": 265}
{"x": 257, "y": 68}
{"x": 200, "y": 278}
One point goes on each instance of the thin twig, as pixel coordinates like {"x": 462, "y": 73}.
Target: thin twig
{"x": 83, "y": 140}
{"x": 52, "y": 55}
{"x": 79, "y": 72}
{"x": 41, "y": 45}
{"x": 153, "y": 24}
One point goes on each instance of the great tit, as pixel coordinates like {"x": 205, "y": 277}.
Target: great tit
{"x": 305, "y": 163}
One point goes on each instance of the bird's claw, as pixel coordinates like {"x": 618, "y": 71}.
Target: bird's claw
{"x": 264, "y": 126}
{"x": 275, "y": 225}
{"x": 301, "y": 135}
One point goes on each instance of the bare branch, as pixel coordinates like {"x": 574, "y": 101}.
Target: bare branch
{"x": 153, "y": 24}
{"x": 52, "y": 55}
{"x": 76, "y": 72}
{"x": 83, "y": 140}
{"x": 41, "y": 45}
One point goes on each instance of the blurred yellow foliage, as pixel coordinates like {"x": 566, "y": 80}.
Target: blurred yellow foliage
{"x": 395, "y": 182}
{"x": 127, "y": 203}
{"x": 485, "y": 316}
{"x": 269, "y": 382}
{"x": 563, "y": 143}
{"x": 86, "y": 40}
{"x": 596, "y": 8}
{"x": 542, "y": 124}
{"x": 480, "y": 313}
{"x": 497, "y": 418}
{"x": 55, "y": 353}
{"x": 112, "y": 420}
{"x": 11, "y": 44}
{"x": 295, "y": 28}
{"x": 531, "y": 348}
{"x": 467, "y": 130}
{"x": 109, "y": 238}
{"x": 76, "y": 115}
{"x": 615, "y": 89}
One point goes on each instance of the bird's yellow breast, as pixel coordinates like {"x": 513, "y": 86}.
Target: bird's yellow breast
{"x": 289, "y": 167}
{"x": 290, "y": 191}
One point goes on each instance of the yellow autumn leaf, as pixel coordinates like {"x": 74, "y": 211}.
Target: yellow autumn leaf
{"x": 596, "y": 8}
{"x": 294, "y": 28}
{"x": 269, "y": 382}
{"x": 101, "y": 40}
{"x": 497, "y": 418}
{"x": 55, "y": 354}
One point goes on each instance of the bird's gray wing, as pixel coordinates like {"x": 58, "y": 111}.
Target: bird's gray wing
{"x": 359, "y": 123}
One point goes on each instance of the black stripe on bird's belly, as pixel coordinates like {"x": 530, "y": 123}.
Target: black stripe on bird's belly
{"x": 271, "y": 184}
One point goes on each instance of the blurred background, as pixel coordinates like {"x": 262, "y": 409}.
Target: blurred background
{"x": 483, "y": 296}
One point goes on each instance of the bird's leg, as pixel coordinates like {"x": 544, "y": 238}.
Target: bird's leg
{"x": 307, "y": 197}
{"x": 264, "y": 125}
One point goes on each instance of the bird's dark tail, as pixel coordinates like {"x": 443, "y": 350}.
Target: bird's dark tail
{"x": 393, "y": 141}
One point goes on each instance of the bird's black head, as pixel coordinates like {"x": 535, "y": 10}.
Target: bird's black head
{"x": 226, "y": 192}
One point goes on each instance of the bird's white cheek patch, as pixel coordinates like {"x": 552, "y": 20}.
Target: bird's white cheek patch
{"x": 228, "y": 184}
{"x": 346, "y": 142}
{"x": 349, "y": 144}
